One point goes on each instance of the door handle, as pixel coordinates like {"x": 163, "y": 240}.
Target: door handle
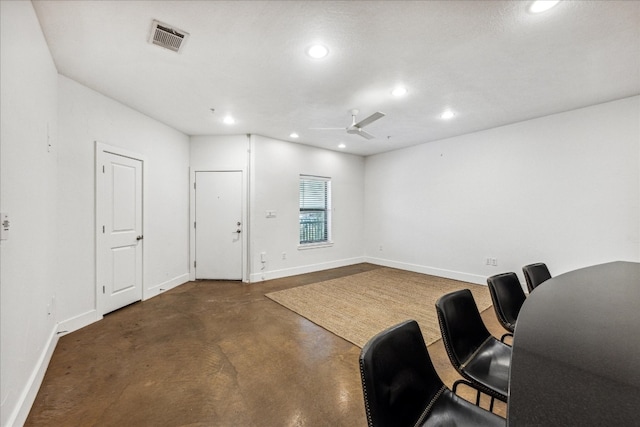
{"x": 139, "y": 237}
{"x": 238, "y": 231}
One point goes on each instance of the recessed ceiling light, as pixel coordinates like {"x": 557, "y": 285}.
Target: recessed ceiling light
{"x": 540, "y": 6}
{"x": 448, "y": 114}
{"x": 317, "y": 51}
{"x": 399, "y": 91}
{"x": 342, "y": 146}
{"x": 294, "y": 135}
{"x": 229, "y": 120}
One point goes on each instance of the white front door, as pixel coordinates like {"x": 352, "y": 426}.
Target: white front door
{"x": 119, "y": 243}
{"x": 218, "y": 226}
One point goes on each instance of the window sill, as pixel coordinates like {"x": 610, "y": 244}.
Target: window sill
{"x": 315, "y": 245}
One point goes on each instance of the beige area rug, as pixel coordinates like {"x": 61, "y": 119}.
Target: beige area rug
{"x": 359, "y": 306}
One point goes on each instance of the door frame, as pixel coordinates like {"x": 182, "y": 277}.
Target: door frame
{"x": 100, "y": 150}
{"x": 192, "y": 220}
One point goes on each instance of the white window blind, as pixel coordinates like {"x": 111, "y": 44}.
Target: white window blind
{"x": 315, "y": 209}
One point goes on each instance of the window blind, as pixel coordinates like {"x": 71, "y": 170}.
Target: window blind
{"x": 314, "y": 209}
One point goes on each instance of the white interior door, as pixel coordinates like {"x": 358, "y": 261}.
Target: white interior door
{"x": 119, "y": 214}
{"x": 218, "y": 227}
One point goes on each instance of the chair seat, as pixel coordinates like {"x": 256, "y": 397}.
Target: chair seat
{"x": 490, "y": 367}
{"x": 451, "y": 410}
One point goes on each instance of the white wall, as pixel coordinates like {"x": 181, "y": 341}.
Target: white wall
{"x": 85, "y": 117}
{"x": 562, "y": 189}
{"x": 275, "y": 170}
{"x": 28, "y": 188}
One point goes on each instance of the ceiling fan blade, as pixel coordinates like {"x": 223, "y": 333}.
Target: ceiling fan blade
{"x": 358, "y": 131}
{"x": 372, "y": 118}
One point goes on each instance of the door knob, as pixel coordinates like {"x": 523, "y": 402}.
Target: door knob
{"x": 139, "y": 237}
{"x": 238, "y": 231}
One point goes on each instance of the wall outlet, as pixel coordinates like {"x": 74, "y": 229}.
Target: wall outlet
{"x": 284, "y": 255}
{"x": 491, "y": 261}
{"x": 4, "y": 226}
{"x": 263, "y": 257}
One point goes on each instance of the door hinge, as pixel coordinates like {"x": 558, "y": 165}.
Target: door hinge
{"x": 194, "y": 264}
{"x": 194, "y": 185}
{"x": 102, "y": 168}
{"x": 194, "y": 224}
{"x": 103, "y": 229}
{"x": 103, "y": 291}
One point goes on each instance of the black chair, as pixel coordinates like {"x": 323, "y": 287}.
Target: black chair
{"x": 507, "y": 296}
{"x": 401, "y": 387}
{"x": 535, "y": 274}
{"x": 481, "y": 359}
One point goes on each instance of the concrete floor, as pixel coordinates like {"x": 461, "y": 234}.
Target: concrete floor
{"x": 212, "y": 353}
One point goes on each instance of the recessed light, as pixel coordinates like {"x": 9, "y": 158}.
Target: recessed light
{"x": 342, "y": 146}
{"x": 399, "y": 91}
{"x": 317, "y": 51}
{"x": 229, "y": 120}
{"x": 448, "y": 114}
{"x": 294, "y": 135}
{"x": 540, "y": 6}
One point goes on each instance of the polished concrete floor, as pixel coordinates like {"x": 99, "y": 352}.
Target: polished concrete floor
{"x": 212, "y": 353}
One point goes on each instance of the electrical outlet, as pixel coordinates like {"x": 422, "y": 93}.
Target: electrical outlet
{"x": 487, "y": 261}
{"x": 494, "y": 262}
{"x": 284, "y": 255}
{"x": 4, "y": 226}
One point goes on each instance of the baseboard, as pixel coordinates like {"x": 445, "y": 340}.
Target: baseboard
{"x": 165, "y": 286}
{"x": 277, "y": 274}
{"x": 449, "y": 274}
{"x": 28, "y": 396}
{"x": 78, "y": 322}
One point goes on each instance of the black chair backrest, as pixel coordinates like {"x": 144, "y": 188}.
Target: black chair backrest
{"x": 462, "y": 328}
{"x": 507, "y": 296}
{"x": 535, "y": 274}
{"x": 398, "y": 377}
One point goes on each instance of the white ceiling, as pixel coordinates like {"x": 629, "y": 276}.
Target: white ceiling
{"x": 492, "y": 62}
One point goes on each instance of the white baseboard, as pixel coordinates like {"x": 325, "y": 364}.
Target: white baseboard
{"x": 449, "y": 274}
{"x": 165, "y": 286}
{"x": 28, "y": 395}
{"x": 277, "y": 274}
{"x": 78, "y": 322}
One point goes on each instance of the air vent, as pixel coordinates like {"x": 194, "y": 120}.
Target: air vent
{"x": 168, "y": 37}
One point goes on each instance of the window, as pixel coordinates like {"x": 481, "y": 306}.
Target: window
{"x": 315, "y": 210}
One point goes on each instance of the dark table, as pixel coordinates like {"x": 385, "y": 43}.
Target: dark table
{"x": 576, "y": 350}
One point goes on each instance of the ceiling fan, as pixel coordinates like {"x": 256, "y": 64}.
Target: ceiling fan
{"x": 356, "y": 128}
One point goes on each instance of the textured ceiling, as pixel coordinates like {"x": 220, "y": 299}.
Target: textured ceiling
{"x": 492, "y": 62}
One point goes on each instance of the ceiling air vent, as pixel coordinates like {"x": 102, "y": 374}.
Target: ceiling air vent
{"x": 168, "y": 37}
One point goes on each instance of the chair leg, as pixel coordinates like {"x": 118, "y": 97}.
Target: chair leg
{"x": 508, "y": 334}
{"x": 478, "y": 392}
